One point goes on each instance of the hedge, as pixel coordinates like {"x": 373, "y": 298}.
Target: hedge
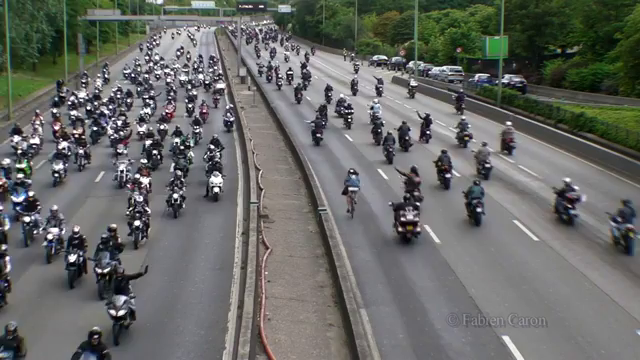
{"x": 576, "y": 120}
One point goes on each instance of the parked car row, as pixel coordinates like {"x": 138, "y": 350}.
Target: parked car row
{"x": 509, "y": 81}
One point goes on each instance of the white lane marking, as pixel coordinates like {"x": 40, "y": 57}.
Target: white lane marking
{"x": 474, "y": 140}
{"x": 399, "y": 102}
{"x": 407, "y": 106}
{"x": 490, "y": 149}
{"x": 529, "y": 171}
{"x": 440, "y": 123}
{"x": 525, "y": 230}
{"x": 40, "y": 164}
{"x": 315, "y": 77}
{"x": 308, "y": 98}
{"x": 432, "y": 234}
{"x": 99, "y": 176}
{"x": 506, "y": 158}
{"x": 383, "y": 174}
{"x": 512, "y": 347}
{"x": 452, "y": 129}
{"x": 455, "y": 173}
{"x": 348, "y": 137}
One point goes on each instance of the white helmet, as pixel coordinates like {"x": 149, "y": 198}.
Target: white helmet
{"x": 566, "y": 181}
{"x": 463, "y": 118}
{"x": 341, "y": 96}
{"x": 508, "y": 123}
{"x": 375, "y": 101}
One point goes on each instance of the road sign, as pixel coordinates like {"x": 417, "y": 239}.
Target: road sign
{"x": 284, "y": 8}
{"x": 251, "y": 6}
{"x": 459, "y": 50}
{"x": 203, "y": 4}
{"x": 402, "y": 52}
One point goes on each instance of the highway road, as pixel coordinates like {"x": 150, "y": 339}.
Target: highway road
{"x": 577, "y": 296}
{"x": 183, "y": 301}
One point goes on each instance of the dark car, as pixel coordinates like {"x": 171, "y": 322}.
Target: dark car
{"x": 378, "y": 60}
{"x": 515, "y": 82}
{"x": 481, "y": 80}
{"x": 396, "y": 63}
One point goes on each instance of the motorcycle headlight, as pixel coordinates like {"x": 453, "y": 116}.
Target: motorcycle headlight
{"x": 112, "y": 312}
{"x": 175, "y": 196}
{"x": 26, "y": 219}
{"x": 137, "y": 223}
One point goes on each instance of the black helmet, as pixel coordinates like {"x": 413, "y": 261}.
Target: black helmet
{"x": 104, "y": 238}
{"x": 389, "y": 132}
{"x": 11, "y": 329}
{"x": 95, "y": 335}
{"x": 413, "y": 169}
{"x": 404, "y": 122}
{"x": 484, "y": 143}
{"x": 476, "y": 182}
{"x": 406, "y": 198}
{"x": 626, "y": 202}
{"x": 443, "y": 151}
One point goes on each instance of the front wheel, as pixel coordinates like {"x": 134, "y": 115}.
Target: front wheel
{"x": 71, "y": 279}
{"x": 446, "y": 183}
{"x": 477, "y": 219}
{"x": 116, "y": 330}
{"x": 216, "y": 197}
{"x": 102, "y": 289}
{"x": 136, "y": 240}
{"x": 631, "y": 245}
{"x": 48, "y": 255}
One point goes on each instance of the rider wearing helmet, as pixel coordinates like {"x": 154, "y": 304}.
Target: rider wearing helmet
{"x": 5, "y": 263}
{"x": 561, "y": 194}
{"x": 626, "y": 213}
{"x": 351, "y": 181}
{"x": 56, "y": 220}
{"x": 93, "y": 345}
{"x": 78, "y": 241}
{"x": 474, "y": 192}
{"x": 406, "y": 204}
{"x": 443, "y": 160}
{"x": 12, "y": 341}
{"x": 122, "y": 286}
{"x": 483, "y": 154}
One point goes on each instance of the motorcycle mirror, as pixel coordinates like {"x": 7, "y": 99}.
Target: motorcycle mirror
{"x": 390, "y": 204}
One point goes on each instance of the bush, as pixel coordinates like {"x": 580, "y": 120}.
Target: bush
{"x": 553, "y": 72}
{"x": 576, "y": 120}
{"x": 589, "y": 78}
{"x": 372, "y": 46}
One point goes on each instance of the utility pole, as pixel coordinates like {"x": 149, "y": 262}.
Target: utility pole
{"x": 499, "y": 97}
{"x": 7, "y": 39}
{"x": 97, "y": 36}
{"x": 115, "y": 7}
{"x": 415, "y": 40}
{"x": 323, "y": 14}
{"x": 355, "y": 42}
{"x": 66, "y": 56}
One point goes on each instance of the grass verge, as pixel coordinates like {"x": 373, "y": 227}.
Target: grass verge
{"x": 25, "y": 83}
{"x": 627, "y": 117}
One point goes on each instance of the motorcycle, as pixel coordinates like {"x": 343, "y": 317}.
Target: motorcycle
{"x": 82, "y": 159}
{"x": 379, "y": 90}
{"x": 475, "y": 211}
{"x": 196, "y": 135}
{"x": 484, "y": 169}
{"x": 141, "y": 131}
{"x": 318, "y": 136}
{"x": 163, "y": 130}
{"x": 328, "y": 98}
{"x": 464, "y": 138}
{"x": 425, "y": 135}
{"x": 286, "y": 57}
{"x": 377, "y": 136}
{"x": 405, "y": 143}
{"x": 356, "y": 68}
{"x": 216, "y": 101}
{"x": 623, "y": 236}
{"x": 348, "y": 121}
{"x": 508, "y": 145}
{"x": 120, "y": 313}
{"x": 279, "y": 82}
{"x": 408, "y": 225}
{"x": 229, "y": 122}
{"x": 176, "y": 204}
{"x": 459, "y": 108}
{"x": 74, "y": 266}
{"x": 190, "y": 109}
{"x": 412, "y": 92}
{"x": 289, "y": 79}
{"x": 17, "y": 198}
{"x": 122, "y": 175}
{"x": 354, "y": 90}
{"x": 51, "y": 244}
{"x": 389, "y": 153}
{"x": 567, "y": 211}
{"x": 444, "y": 177}
{"x": 139, "y": 232}
{"x": 215, "y": 184}
{"x": 104, "y": 269}
{"x": 269, "y": 77}
{"x": 28, "y": 229}
{"x": 95, "y": 135}
{"x": 298, "y": 97}
{"x": 128, "y": 103}
{"x": 58, "y": 172}
{"x": 204, "y": 115}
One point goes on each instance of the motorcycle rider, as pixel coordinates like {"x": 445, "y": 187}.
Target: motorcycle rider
{"x": 561, "y": 193}
{"x": 62, "y": 155}
{"x": 389, "y": 139}
{"x": 196, "y": 122}
{"x": 289, "y": 73}
{"x": 328, "y": 89}
{"x": 5, "y": 260}
{"x": 106, "y": 244}
{"x": 483, "y": 154}
{"x": 216, "y": 142}
{"x": 352, "y": 180}
{"x": 404, "y": 130}
{"x": 122, "y": 286}
{"x": 626, "y": 213}
{"x": 56, "y": 220}
{"x": 16, "y": 130}
{"x": 81, "y": 143}
{"x": 341, "y": 101}
{"x": 228, "y": 110}
{"x": 5, "y": 223}
{"x": 77, "y": 241}
{"x": 406, "y": 204}
{"x": 507, "y": 133}
{"x": 375, "y": 108}
{"x": 425, "y": 125}
{"x": 6, "y": 170}
{"x": 379, "y": 80}
{"x": 156, "y": 144}
{"x": 298, "y": 89}
{"x": 474, "y": 192}
{"x": 128, "y": 94}
{"x": 460, "y": 97}
{"x": 93, "y": 345}
{"x": 32, "y": 207}
{"x": 21, "y": 182}
{"x": 316, "y": 126}
{"x": 177, "y": 182}
{"x": 354, "y": 82}
{"x": 412, "y": 180}
{"x": 11, "y": 340}
{"x": 177, "y": 132}
{"x": 443, "y": 160}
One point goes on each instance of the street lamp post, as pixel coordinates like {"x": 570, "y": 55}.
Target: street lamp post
{"x": 129, "y": 37}
{"x": 66, "y": 56}
{"x": 8, "y": 44}
{"x": 115, "y": 7}
{"x": 323, "y": 4}
{"x": 355, "y": 42}
{"x": 97, "y": 36}
{"x": 499, "y": 97}
{"x": 415, "y": 40}
{"x": 138, "y": 13}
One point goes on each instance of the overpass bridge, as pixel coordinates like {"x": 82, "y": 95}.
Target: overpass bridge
{"x": 172, "y": 20}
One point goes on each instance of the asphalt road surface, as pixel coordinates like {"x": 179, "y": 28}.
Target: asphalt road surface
{"x": 183, "y": 301}
{"x": 550, "y": 291}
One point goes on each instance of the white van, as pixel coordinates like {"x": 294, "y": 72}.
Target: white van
{"x": 452, "y": 74}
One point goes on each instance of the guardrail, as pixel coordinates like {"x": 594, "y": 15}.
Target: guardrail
{"x": 585, "y": 146}
{"x": 349, "y": 298}
{"x": 545, "y": 91}
{"x": 243, "y": 327}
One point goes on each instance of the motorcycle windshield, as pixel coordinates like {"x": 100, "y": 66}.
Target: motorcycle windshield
{"x": 103, "y": 260}
{"x": 89, "y": 356}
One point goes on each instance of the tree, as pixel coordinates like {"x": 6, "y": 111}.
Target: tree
{"x": 465, "y": 37}
{"x": 402, "y": 29}
{"x": 382, "y": 26}
{"x": 484, "y": 18}
{"x": 628, "y": 51}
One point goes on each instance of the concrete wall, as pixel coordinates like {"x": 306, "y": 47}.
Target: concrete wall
{"x": 607, "y": 155}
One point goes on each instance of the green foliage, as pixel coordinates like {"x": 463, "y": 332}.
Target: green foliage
{"x": 383, "y": 24}
{"x": 628, "y": 51}
{"x": 375, "y": 46}
{"x": 589, "y": 78}
{"x": 410, "y": 47}
{"x": 590, "y": 121}
{"x": 553, "y": 72}
{"x": 402, "y": 28}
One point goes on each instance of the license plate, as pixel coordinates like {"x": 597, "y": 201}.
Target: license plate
{"x": 318, "y": 135}
{"x": 409, "y": 227}
{"x": 466, "y": 138}
{"x": 487, "y": 165}
{"x": 447, "y": 175}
